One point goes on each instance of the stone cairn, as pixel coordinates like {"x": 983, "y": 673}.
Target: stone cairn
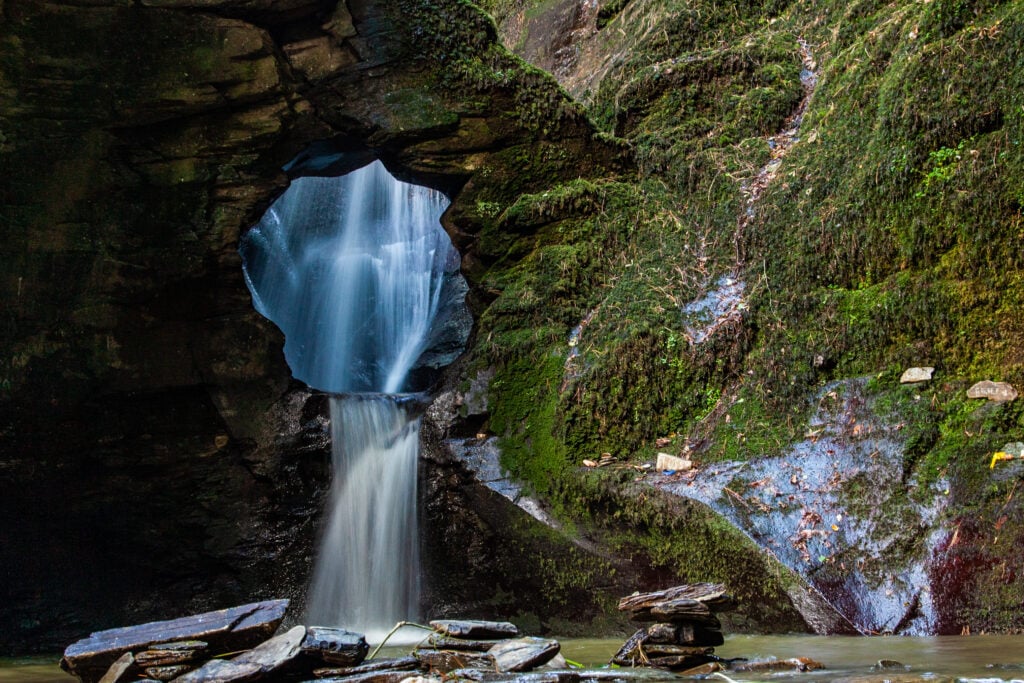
{"x": 237, "y": 645}
{"x": 684, "y": 631}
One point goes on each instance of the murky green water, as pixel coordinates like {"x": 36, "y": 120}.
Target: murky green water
{"x": 975, "y": 657}
{"x": 988, "y": 658}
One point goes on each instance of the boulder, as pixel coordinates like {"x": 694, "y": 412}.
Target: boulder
{"x": 523, "y": 654}
{"x": 227, "y": 630}
{"x": 999, "y": 392}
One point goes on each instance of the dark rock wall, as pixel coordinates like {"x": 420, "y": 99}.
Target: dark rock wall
{"x": 154, "y": 456}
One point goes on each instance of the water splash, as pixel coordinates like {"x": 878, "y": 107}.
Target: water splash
{"x": 353, "y": 270}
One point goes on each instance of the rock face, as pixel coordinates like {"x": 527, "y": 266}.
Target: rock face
{"x": 144, "y": 405}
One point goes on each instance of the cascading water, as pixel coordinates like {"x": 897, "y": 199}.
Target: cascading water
{"x": 353, "y": 269}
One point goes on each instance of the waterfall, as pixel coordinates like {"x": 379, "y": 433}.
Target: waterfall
{"x": 352, "y": 269}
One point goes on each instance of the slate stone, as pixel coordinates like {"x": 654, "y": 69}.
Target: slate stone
{"x": 335, "y": 646}
{"x": 523, "y": 654}
{"x": 791, "y": 664}
{"x": 370, "y": 677}
{"x": 223, "y": 671}
{"x": 167, "y": 654}
{"x": 660, "y": 650}
{"x": 169, "y": 672}
{"x": 678, "y": 600}
{"x": 227, "y": 630}
{"x": 470, "y": 629}
{"x": 121, "y": 670}
{"x": 444, "y": 661}
{"x": 265, "y": 657}
{"x": 443, "y": 643}
{"x": 680, "y": 662}
{"x": 377, "y": 665}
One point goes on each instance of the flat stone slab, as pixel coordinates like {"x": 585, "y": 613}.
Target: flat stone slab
{"x": 377, "y": 665}
{"x": 445, "y": 643}
{"x": 993, "y": 391}
{"x": 470, "y": 629}
{"x": 445, "y": 661}
{"x": 265, "y": 657}
{"x": 227, "y": 630}
{"x": 223, "y": 671}
{"x": 684, "y": 634}
{"x": 691, "y": 601}
{"x": 335, "y": 646}
{"x": 523, "y": 654}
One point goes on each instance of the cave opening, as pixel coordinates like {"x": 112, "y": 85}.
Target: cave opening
{"x": 354, "y": 267}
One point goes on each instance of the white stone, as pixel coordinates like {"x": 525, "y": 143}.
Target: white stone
{"x": 993, "y": 391}
{"x": 914, "y": 375}
{"x": 672, "y": 462}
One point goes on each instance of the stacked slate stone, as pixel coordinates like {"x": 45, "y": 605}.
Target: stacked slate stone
{"x": 237, "y": 645}
{"x": 458, "y": 647}
{"x": 228, "y": 645}
{"x": 684, "y": 631}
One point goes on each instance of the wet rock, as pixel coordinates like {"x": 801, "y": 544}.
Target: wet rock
{"x": 684, "y": 634}
{"x": 889, "y": 664}
{"x": 237, "y": 628}
{"x": 376, "y": 666}
{"x": 370, "y": 677}
{"x": 791, "y": 664}
{"x": 999, "y": 392}
{"x": 711, "y": 596}
{"x": 167, "y": 654}
{"x": 471, "y": 629}
{"x": 168, "y": 673}
{"x": 894, "y": 678}
{"x": 121, "y": 670}
{"x": 523, "y": 654}
{"x": 702, "y": 670}
{"x": 680, "y": 662}
{"x": 335, "y": 646}
{"x": 265, "y": 657}
{"x": 445, "y": 661}
{"x": 443, "y": 643}
{"x": 915, "y": 375}
{"x": 659, "y": 650}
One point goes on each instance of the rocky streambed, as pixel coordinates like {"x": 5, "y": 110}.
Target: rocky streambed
{"x": 239, "y": 644}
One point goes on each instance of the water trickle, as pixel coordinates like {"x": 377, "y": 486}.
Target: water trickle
{"x": 354, "y": 269}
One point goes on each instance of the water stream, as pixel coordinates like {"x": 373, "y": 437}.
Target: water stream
{"x": 353, "y": 269}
